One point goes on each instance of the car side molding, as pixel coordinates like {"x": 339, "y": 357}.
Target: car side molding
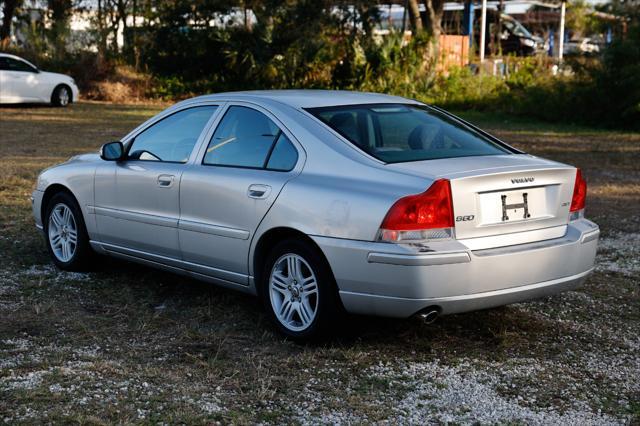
{"x": 419, "y": 260}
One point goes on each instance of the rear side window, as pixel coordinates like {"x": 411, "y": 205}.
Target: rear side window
{"x": 397, "y": 133}
{"x": 247, "y": 138}
{"x": 284, "y": 155}
{"x": 173, "y": 138}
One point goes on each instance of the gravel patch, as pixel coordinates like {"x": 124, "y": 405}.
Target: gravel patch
{"x": 50, "y": 272}
{"x": 619, "y": 252}
{"x": 468, "y": 394}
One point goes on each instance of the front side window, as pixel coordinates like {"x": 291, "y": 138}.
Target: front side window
{"x": 248, "y": 138}
{"x": 397, "y": 133}
{"x": 172, "y": 139}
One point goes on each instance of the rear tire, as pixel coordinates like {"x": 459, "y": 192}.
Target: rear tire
{"x": 66, "y": 234}
{"x": 62, "y": 96}
{"x": 299, "y": 292}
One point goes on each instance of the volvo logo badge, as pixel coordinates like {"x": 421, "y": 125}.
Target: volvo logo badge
{"x": 522, "y": 180}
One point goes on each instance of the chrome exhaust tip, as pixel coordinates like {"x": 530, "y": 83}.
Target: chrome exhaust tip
{"x": 429, "y": 315}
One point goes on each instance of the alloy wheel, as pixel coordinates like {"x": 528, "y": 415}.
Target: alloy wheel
{"x": 63, "y": 232}
{"x": 293, "y": 290}
{"x": 63, "y": 96}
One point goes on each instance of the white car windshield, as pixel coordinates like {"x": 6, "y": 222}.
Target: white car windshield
{"x": 397, "y": 133}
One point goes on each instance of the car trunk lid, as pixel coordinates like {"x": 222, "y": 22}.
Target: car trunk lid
{"x": 503, "y": 200}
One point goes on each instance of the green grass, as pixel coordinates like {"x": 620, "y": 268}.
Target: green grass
{"x": 128, "y": 344}
{"x": 505, "y": 122}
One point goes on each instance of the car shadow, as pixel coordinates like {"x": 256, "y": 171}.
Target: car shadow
{"x": 33, "y": 105}
{"x": 177, "y": 295}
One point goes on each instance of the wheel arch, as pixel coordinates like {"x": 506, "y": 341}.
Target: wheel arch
{"x": 57, "y": 86}
{"x": 52, "y": 190}
{"x": 269, "y": 239}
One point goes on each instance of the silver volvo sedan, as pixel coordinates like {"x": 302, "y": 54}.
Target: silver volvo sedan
{"x": 322, "y": 202}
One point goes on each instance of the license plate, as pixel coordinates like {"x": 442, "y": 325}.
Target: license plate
{"x": 508, "y": 206}
{"x": 517, "y": 210}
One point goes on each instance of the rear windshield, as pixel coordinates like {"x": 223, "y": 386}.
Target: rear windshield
{"x": 396, "y": 133}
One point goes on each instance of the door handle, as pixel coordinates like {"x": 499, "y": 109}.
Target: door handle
{"x": 165, "y": 181}
{"x": 258, "y": 191}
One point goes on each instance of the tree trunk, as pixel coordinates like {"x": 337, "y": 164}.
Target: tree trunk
{"x": 498, "y": 36}
{"x": 435, "y": 10}
{"x": 122, "y": 6}
{"x": 102, "y": 34}
{"x": 136, "y": 51}
{"x": 8, "y": 10}
{"x": 60, "y": 13}
{"x": 414, "y": 16}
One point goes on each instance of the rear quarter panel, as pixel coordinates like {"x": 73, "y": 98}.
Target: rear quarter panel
{"x": 340, "y": 193}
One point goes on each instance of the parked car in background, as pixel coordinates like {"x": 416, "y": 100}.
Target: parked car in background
{"x": 516, "y": 39}
{"x": 581, "y": 46}
{"x": 23, "y": 82}
{"x": 319, "y": 201}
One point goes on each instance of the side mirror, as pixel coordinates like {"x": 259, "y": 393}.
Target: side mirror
{"x": 112, "y": 151}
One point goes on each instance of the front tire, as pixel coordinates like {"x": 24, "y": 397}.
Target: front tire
{"x": 66, "y": 234}
{"x": 61, "y": 96}
{"x": 298, "y": 290}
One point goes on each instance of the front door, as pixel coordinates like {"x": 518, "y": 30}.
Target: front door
{"x": 223, "y": 199}
{"x": 137, "y": 200}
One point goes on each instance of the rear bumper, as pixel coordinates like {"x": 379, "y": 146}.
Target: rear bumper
{"x": 400, "y": 307}
{"x": 398, "y": 281}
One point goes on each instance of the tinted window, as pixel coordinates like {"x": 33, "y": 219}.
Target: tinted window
{"x": 396, "y": 133}
{"x": 244, "y": 138}
{"x": 284, "y": 155}
{"x": 173, "y": 138}
{"x": 10, "y": 64}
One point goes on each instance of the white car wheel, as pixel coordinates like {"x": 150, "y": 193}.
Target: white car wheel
{"x": 61, "y": 96}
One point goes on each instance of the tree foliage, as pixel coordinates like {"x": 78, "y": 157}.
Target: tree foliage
{"x": 9, "y": 8}
{"x": 179, "y": 48}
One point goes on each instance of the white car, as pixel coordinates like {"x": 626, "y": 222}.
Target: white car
{"x": 585, "y": 46}
{"x": 23, "y": 82}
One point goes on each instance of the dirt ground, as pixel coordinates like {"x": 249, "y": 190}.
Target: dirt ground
{"x": 127, "y": 344}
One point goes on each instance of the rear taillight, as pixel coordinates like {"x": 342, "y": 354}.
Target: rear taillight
{"x": 579, "y": 195}
{"x": 422, "y": 216}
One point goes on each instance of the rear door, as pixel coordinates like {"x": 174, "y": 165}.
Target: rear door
{"x": 223, "y": 197}
{"x": 18, "y": 81}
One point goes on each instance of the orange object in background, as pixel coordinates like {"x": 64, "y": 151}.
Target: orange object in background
{"x": 454, "y": 52}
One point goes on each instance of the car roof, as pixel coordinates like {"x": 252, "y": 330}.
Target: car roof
{"x": 9, "y": 55}
{"x": 308, "y": 98}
